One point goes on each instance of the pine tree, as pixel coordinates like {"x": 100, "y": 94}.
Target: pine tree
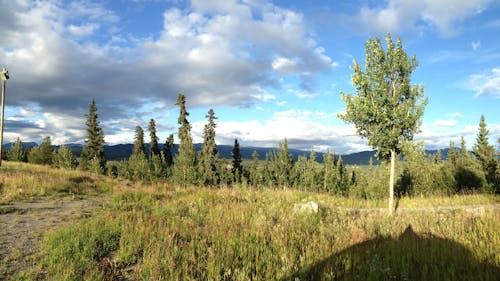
{"x": 464, "y": 154}
{"x": 94, "y": 142}
{"x": 255, "y": 176}
{"x": 438, "y": 157}
{"x": 482, "y": 150}
{"x": 168, "y": 153}
{"x": 237, "y": 169}
{"x": 342, "y": 178}
{"x": 485, "y": 152}
{"x": 209, "y": 154}
{"x": 42, "y": 154}
{"x": 452, "y": 154}
{"x": 283, "y": 165}
{"x": 139, "y": 147}
{"x": 17, "y": 152}
{"x": 184, "y": 169}
{"x": 153, "y": 142}
{"x": 386, "y": 108}
{"x": 311, "y": 170}
{"x": 65, "y": 158}
{"x": 329, "y": 172}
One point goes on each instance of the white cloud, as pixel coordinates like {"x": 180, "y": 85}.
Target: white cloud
{"x": 445, "y": 123}
{"x": 217, "y": 53}
{"x": 486, "y": 83}
{"x": 302, "y": 133}
{"x": 446, "y": 16}
{"x": 83, "y": 30}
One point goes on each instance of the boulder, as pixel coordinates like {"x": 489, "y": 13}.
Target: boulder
{"x": 308, "y": 207}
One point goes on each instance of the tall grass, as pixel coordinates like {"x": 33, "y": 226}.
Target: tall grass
{"x": 232, "y": 234}
{"x": 21, "y": 181}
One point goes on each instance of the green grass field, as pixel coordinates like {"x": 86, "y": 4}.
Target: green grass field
{"x": 158, "y": 232}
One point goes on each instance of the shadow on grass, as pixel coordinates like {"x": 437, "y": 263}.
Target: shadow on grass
{"x": 412, "y": 256}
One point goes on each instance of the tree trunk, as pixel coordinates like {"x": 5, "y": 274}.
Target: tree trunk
{"x": 391, "y": 181}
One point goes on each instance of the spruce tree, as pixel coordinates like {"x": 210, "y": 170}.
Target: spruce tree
{"x": 42, "y": 154}
{"x": 464, "y": 154}
{"x": 168, "y": 153}
{"x": 254, "y": 170}
{"x": 93, "y": 151}
{"x": 209, "y": 154}
{"x": 342, "y": 178}
{"x": 485, "y": 152}
{"x": 283, "y": 165}
{"x": 237, "y": 169}
{"x": 17, "y": 152}
{"x": 452, "y": 154}
{"x": 386, "y": 108}
{"x": 311, "y": 170}
{"x": 329, "y": 172}
{"x": 139, "y": 147}
{"x": 482, "y": 150}
{"x": 153, "y": 142}
{"x": 438, "y": 157}
{"x": 65, "y": 159}
{"x": 184, "y": 169}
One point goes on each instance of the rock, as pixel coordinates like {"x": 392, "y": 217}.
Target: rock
{"x": 308, "y": 207}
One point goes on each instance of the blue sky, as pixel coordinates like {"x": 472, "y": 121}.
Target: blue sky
{"x": 270, "y": 69}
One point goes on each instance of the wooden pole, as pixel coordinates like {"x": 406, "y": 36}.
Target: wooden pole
{"x": 1, "y": 123}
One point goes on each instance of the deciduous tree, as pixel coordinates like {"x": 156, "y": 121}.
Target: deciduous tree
{"x": 386, "y": 109}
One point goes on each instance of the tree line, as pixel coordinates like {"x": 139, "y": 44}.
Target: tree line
{"x": 418, "y": 172}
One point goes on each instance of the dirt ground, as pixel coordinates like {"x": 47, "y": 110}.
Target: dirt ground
{"x": 22, "y": 225}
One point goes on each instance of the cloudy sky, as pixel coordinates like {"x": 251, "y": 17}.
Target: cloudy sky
{"x": 269, "y": 69}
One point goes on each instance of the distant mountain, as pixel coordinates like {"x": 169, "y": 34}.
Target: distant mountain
{"x": 123, "y": 151}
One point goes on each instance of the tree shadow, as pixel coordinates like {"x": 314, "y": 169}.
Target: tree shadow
{"x": 411, "y": 256}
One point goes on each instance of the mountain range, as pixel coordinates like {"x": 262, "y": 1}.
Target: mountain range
{"x": 123, "y": 151}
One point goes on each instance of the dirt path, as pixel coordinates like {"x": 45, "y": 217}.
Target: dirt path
{"x": 22, "y": 225}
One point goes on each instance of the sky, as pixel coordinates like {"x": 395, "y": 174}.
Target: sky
{"x": 270, "y": 69}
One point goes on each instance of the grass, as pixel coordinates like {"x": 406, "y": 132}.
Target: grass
{"x": 27, "y": 182}
{"x": 159, "y": 232}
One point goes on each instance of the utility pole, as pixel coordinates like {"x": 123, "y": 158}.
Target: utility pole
{"x": 4, "y": 75}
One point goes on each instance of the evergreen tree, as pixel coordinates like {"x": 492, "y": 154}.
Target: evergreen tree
{"x": 255, "y": 176}
{"x": 237, "y": 169}
{"x": 452, "y": 154}
{"x": 283, "y": 165}
{"x": 65, "y": 158}
{"x": 94, "y": 142}
{"x": 342, "y": 178}
{"x": 329, "y": 172}
{"x": 209, "y": 154}
{"x": 299, "y": 172}
{"x": 153, "y": 143}
{"x": 17, "y": 152}
{"x": 464, "y": 154}
{"x": 168, "y": 153}
{"x": 312, "y": 170}
{"x": 267, "y": 170}
{"x": 438, "y": 157}
{"x": 184, "y": 169}
{"x": 482, "y": 150}
{"x": 42, "y": 154}
{"x": 139, "y": 147}
{"x": 485, "y": 152}
{"x": 386, "y": 108}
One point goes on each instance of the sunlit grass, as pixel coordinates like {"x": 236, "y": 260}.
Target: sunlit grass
{"x": 156, "y": 231}
{"x": 24, "y": 182}
{"x": 232, "y": 234}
